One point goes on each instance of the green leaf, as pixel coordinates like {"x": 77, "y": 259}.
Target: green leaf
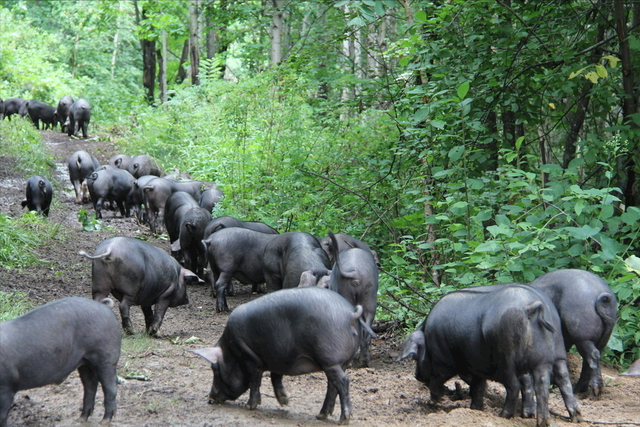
{"x": 490, "y": 246}
{"x": 421, "y": 115}
{"x": 456, "y": 152}
{"x": 613, "y": 60}
{"x": 519, "y": 142}
{"x": 633, "y": 264}
{"x": 583, "y": 232}
{"x": 421, "y": 16}
{"x": 601, "y": 71}
{"x": 592, "y": 76}
{"x": 398, "y": 260}
{"x": 463, "y": 89}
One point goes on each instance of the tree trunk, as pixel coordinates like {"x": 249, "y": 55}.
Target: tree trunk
{"x": 182, "y": 72}
{"x": 116, "y": 37}
{"x": 277, "y": 31}
{"x": 162, "y": 76}
{"x": 627, "y": 164}
{"x": 148, "y": 59}
{"x": 194, "y": 37}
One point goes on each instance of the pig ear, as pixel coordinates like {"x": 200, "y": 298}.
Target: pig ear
{"x": 175, "y": 246}
{"x": 24, "y": 203}
{"x": 212, "y": 354}
{"x": 411, "y": 346}
{"x": 188, "y": 273}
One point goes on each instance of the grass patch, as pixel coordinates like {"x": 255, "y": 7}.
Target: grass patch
{"x": 20, "y": 140}
{"x": 19, "y": 237}
{"x": 137, "y": 344}
{"x": 13, "y": 304}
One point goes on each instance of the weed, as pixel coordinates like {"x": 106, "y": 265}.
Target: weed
{"x": 13, "y": 304}
{"x": 89, "y": 221}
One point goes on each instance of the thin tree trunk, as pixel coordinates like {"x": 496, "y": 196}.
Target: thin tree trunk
{"x": 576, "y": 120}
{"x": 116, "y": 37}
{"x": 162, "y": 76}
{"x": 194, "y": 37}
{"x": 182, "y": 72}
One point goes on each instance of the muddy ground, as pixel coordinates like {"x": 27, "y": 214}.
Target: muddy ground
{"x": 168, "y": 385}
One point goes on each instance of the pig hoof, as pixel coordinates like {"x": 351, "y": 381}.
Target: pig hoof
{"x": 283, "y": 399}
{"x": 343, "y": 421}
{"x": 321, "y": 416}
{"x": 576, "y": 417}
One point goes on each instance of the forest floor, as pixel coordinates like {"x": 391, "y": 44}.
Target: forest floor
{"x": 168, "y": 385}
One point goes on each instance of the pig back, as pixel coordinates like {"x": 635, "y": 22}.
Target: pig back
{"x": 294, "y": 331}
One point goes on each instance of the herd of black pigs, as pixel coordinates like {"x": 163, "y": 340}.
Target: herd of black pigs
{"x": 316, "y": 316}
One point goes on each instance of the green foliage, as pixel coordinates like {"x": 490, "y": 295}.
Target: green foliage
{"x": 89, "y": 221}
{"x": 21, "y": 141}
{"x": 13, "y": 304}
{"x": 67, "y": 48}
{"x": 264, "y": 145}
{"x": 19, "y": 237}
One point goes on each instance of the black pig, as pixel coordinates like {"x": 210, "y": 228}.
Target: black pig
{"x": 290, "y": 332}
{"x": 81, "y": 164}
{"x": 45, "y": 345}
{"x": 138, "y": 273}
{"x": 235, "y": 252}
{"x": 507, "y": 335}
{"x": 588, "y": 311}
{"x": 39, "y": 194}
{"x": 289, "y": 255}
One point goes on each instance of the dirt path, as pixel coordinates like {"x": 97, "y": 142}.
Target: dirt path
{"x": 176, "y": 382}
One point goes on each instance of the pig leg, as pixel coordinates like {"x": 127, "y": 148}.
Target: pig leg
{"x": 528, "y": 404}
{"x": 562, "y": 379}
{"x": 6, "y": 400}
{"x": 590, "y": 377}
{"x": 436, "y": 384}
{"x": 338, "y": 384}
{"x": 126, "y": 319}
{"x": 120, "y": 205}
{"x": 512, "y": 384}
{"x": 148, "y": 316}
{"x": 159, "y": 310}
{"x": 90, "y": 383}
{"x": 109, "y": 380}
{"x": 97, "y": 206}
{"x": 76, "y": 187}
{"x": 541, "y": 382}
{"x": 278, "y": 388}
{"x": 221, "y": 285}
{"x": 476, "y": 389}
{"x": 254, "y": 387}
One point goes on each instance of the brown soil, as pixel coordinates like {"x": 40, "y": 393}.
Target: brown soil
{"x": 174, "y": 383}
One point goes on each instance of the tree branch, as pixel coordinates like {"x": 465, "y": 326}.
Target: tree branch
{"x": 373, "y": 209}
